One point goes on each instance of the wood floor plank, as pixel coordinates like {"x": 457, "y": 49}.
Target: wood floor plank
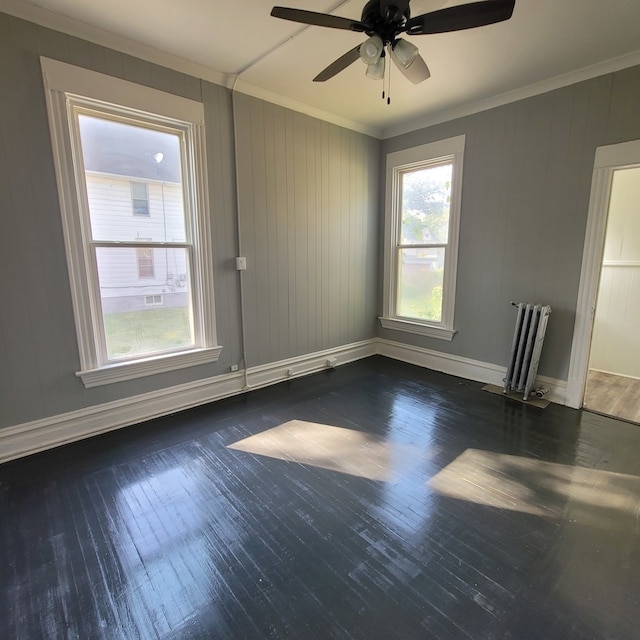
{"x": 170, "y": 530}
{"x": 613, "y": 395}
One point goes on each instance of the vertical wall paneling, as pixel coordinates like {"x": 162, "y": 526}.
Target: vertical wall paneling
{"x": 334, "y": 265}
{"x": 342, "y": 236}
{"x": 281, "y": 246}
{"x": 325, "y": 239}
{"x": 616, "y": 343}
{"x": 308, "y": 223}
{"x": 255, "y": 219}
{"x": 303, "y": 183}
{"x": 273, "y": 230}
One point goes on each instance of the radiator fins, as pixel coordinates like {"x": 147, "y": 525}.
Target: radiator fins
{"x": 531, "y": 325}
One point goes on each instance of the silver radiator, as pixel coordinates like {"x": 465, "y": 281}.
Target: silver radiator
{"x": 531, "y": 325}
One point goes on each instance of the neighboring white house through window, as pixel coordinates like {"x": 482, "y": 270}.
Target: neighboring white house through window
{"x": 120, "y": 147}
{"x": 424, "y": 187}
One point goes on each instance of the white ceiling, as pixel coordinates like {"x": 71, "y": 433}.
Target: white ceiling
{"x": 546, "y": 44}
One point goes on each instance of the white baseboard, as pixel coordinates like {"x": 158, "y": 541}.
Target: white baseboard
{"x": 273, "y": 373}
{"x": 32, "y": 437}
{"x": 615, "y": 373}
{"x": 464, "y": 367}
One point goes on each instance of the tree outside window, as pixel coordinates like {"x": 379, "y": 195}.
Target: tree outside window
{"x": 424, "y": 232}
{"x": 424, "y": 192}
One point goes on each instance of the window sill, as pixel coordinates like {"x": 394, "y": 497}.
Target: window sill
{"x": 124, "y": 371}
{"x": 407, "y": 326}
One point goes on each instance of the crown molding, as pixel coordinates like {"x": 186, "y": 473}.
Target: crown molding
{"x": 558, "y": 82}
{"x": 78, "y": 29}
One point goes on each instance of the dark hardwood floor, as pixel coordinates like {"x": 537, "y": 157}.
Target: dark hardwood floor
{"x": 376, "y": 501}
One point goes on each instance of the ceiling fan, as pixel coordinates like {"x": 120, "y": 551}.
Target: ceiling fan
{"x": 384, "y": 20}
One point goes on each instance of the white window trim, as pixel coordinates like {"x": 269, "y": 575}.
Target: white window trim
{"x": 450, "y": 149}
{"x": 64, "y": 82}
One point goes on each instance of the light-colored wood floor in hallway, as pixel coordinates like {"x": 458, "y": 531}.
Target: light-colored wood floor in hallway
{"x": 617, "y": 396}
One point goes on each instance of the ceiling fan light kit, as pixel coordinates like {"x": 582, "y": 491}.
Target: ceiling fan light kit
{"x": 405, "y": 52}
{"x": 384, "y": 20}
{"x": 371, "y": 50}
{"x": 375, "y": 71}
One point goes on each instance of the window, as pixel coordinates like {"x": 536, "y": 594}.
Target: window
{"x": 155, "y": 299}
{"x": 424, "y": 186}
{"x": 145, "y": 262}
{"x": 140, "y": 199}
{"x": 116, "y": 143}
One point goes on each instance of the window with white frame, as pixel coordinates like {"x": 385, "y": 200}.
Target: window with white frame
{"x": 423, "y": 193}
{"x": 118, "y": 145}
{"x": 140, "y": 198}
{"x": 145, "y": 262}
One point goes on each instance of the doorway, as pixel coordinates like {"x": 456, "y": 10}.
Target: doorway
{"x": 613, "y": 377}
{"x": 604, "y": 372}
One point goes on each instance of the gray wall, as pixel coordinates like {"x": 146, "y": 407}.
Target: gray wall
{"x": 308, "y": 210}
{"x": 525, "y": 198}
{"x": 308, "y": 222}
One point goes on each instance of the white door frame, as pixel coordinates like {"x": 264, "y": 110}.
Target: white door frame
{"x": 608, "y": 159}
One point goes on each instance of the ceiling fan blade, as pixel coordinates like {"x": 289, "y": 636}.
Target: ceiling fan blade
{"x": 317, "y": 19}
{"x": 416, "y": 72}
{"x": 464, "y": 16}
{"x": 338, "y": 65}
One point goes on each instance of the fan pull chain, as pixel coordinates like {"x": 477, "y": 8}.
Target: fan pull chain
{"x": 386, "y": 82}
{"x": 384, "y": 77}
{"x": 389, "y": 85}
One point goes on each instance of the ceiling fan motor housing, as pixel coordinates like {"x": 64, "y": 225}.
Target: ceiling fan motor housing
{"x": 385, "y": 19}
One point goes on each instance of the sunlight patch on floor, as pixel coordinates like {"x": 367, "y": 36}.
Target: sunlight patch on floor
{"x": 336, "y": 448}
{"x": 586, "y": 496}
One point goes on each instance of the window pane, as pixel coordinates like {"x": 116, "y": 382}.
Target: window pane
{"x": 426, "y": 196}
{"x": 140, "y": 199}
{"x": 134, "y": 181}
{"x": 139, "y": 190}
{"x": 131, "y": 326}
{"x": 420, "y": 281}
{"x": 144, "y": 256}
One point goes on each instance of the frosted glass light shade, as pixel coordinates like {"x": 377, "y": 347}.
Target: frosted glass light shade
{"x": 405, "y": 52}
{"x": 371, "y": 49}
{"x": 375, "y": 71}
